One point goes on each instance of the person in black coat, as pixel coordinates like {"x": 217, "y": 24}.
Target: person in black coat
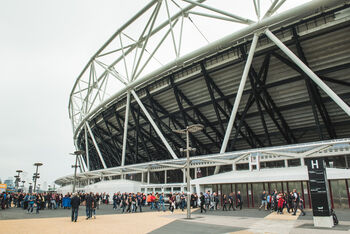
{"x": 202, "y": 199}
{"x": 75, "y": 202}
{"x": 239, "y": 200}
{"x": 89, "y": 201}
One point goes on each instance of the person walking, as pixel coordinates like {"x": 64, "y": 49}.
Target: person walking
{"x": 171, "y": 202}
{"x": 216, "y": 201}
{"x": 89, "y": 201}
{"x": 183, "y": 201}
{"x": 239, "y": 200}
{"x": 224, "y": 202}
{"x": 202, "y": 200}
{"x": 115, "y": 197}
{"x": 75, "y": 202}
{"x": 139, "y": 201}
{"x": 161, "y": 202}
{"x": 296, "y": 202}
{"x": 231, "y": 202}
{"x": 38, "y": 203}
{"x": 290, "y": 202}
{"x": 177, "y": 200}
{"x": 124, "y": 201}
{"x": 133, "y": 203}
{"x": 263, "y": 201}
{"x": 94, "y": 206}
{"x": 129, "y": 203}
{"x": 31, "y": 201}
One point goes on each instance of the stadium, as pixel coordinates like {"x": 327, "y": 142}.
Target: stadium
{"x": 268, "y": 93}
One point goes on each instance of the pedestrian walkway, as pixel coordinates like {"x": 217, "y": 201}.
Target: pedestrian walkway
{"x": 246, "y": 221}
{"x": 118, "y": 223}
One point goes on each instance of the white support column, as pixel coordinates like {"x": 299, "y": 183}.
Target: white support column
{"x": 239, "y": 93}
{"x": 148, "y": 177}
{"x": 95, "y": 144}
{"x": 184, "y": 176}
{"x": 81, "y": 163}
{"x": 195, "y": 172}
{"x": 233, "y": 166}
{"x": 126, "y": 121}
{"x": 250, "y": 163}
{"x": 302, "y": 162}
{"x": 154, "y": 125}
{"x": 142, "y": 177}
{"x": 87, "y": 149}
{"x": 309, "y": 72}
{"x": 258, "y": 162}
{"x": 165, "y": 176}
{"x": 286, "y": 163}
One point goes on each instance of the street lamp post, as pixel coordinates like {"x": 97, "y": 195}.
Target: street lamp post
{"x": 16, "y": 182}
{"x": 36, "y": 174}
{"x": 30, "y": 188}
{"x": 18, "y": 178}
{"x": 76, "y": 153}
{"x": 187, "y": 130}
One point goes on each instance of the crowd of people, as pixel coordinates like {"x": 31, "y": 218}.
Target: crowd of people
{"x": 41, "y": 201}
{"x": 135, "y": 202}
{"x": 28, "y": 201}
{"x": 278, "y": 201}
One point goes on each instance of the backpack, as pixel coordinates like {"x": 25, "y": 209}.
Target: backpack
{"x": 335, "y": 218}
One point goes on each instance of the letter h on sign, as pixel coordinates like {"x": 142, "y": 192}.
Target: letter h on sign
{"x": 314, "y": 163}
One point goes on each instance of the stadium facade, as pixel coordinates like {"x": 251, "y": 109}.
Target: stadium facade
{"x": 270, "y": 94}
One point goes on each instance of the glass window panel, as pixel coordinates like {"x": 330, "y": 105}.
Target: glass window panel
{"x": 294, "y": 162}
{"x": 340, "y": 196}
{"x": 158, "y": 190}
{"x": 257, "y": 191}
{"x": 176, "y": 189}
{"x": 226, "y": 189}
{"x": 243, "y": 189}
{"x": 167, "y": 190}
{"x": 306, "y": 194}
{"x": 243, "y": 166}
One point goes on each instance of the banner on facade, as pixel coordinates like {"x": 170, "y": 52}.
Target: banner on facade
{"x": 3, "y": 188}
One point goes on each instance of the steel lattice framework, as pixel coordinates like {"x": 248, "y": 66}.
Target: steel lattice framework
{"x": 280, "y": 79}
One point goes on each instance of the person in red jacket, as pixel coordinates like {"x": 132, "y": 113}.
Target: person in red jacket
{"x": 153, "y": 198}
{"x": 280, "y": 203}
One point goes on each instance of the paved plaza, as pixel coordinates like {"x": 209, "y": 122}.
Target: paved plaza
{"x": 16, "y": 220}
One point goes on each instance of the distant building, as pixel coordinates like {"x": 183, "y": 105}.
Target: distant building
{"x": 9, "y": 182}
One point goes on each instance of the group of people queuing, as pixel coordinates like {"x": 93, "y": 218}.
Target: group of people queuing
{"x": 29, "y": 201}
{"x": 278, "y": 201}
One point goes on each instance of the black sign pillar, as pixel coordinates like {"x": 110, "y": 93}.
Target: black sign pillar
{"x": 319, "y": 193}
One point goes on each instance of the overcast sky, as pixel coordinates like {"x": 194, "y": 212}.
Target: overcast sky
{"x": 44, "y": 45}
